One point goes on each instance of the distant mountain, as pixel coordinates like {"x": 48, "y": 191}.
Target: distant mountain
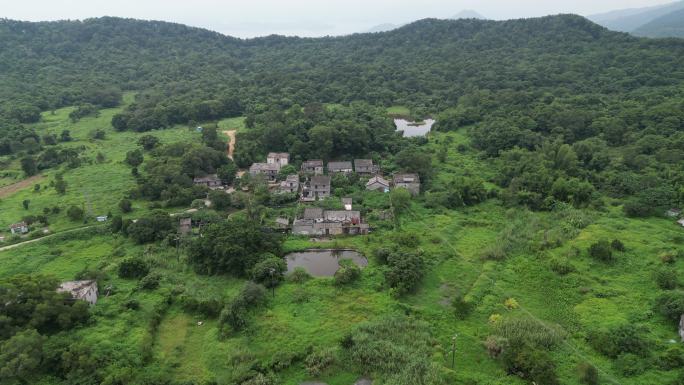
{"x": 383, "y": 27}
{"x": 468, "y": 14}
{"x": 629, "y": 20}
{"x": 670, "y": 25}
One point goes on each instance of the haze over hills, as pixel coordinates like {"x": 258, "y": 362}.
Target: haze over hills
{"x": 468, "y": 14}
{"x": 464, "y": 14}
{"x": 670, "y": 25}
{"x": 631, "y": 20}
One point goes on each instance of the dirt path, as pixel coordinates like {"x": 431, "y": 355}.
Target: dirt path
{"x": 231, "y": 143}
{"x": 12, "y": 246}
{"x": 11, "y": 189}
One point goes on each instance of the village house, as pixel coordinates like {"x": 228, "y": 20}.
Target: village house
{"x": 290, "y": 184}
{"x": 185, "y": 226}
{"x": 270, "y": 171}
{"x": 281, "y": 159}
{"x": 364, "y": 166}
{"x": 314, "y": 166}
{"x": 378, "y": 183}
{"x": 319, "y": 222}
{"x": 410, "y": 182}
{"x": 80, "y": 290}
{"x": 342, "y": 166}
{"x": 318, "y": 187}
{"x": 211, "y": 181}
{"x": 19, "y": 228}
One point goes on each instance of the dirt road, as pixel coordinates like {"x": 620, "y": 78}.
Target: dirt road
{"x": 11, "y": 189}
{"x": 231, "y": 143}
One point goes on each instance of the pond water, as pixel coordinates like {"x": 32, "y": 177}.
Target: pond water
{"x": 412, "y": 129}
{"x": 322, "y": 263}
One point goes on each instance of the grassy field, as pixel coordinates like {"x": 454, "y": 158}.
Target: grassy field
{"x": 96, "y": 187}
{"x": 316, "y": 314}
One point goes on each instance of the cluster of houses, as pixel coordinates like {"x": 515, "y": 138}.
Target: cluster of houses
{"x": 317, "y": 183}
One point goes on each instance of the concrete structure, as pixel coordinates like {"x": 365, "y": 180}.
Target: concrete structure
{"x": 378, "y": 183}
{"x": 681, "y": 222}
{"x": 80, "y": 290}
{"x": 347, "y": 203}
{"x": 342, "y": 166}
{"x": 410, "y": 182}
{"x": 282, "y": 223}
{"x": 674, "y": 213}
{"x": 19, "y": 228}
{"x": 314, "y": 166}
{"x": 318, "y": 222}
{"x": 364, "y": 166}
{"x": 101, "y": 218}
{"x": 290, "y": 184}
{"x": 211, "y": 181}
{"x": 185, "y": 226}
{"x": 280, "y": 159}
{"x": 318, "y": 187}
{"x": 270, "y": 171}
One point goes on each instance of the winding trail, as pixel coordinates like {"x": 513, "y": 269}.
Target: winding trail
{"x": 231, "y": 143}
{"x": 12, "y": 246}
{"x": 8, "y": 190}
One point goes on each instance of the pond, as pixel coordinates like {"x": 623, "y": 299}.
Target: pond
{"x": 412, "y": 129}
{"x": 322, "y": 263}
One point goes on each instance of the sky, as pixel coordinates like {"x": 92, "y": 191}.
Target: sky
{"x": 249, "y": 18}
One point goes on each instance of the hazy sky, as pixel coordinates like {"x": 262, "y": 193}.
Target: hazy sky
{"x": 247, "y": 18}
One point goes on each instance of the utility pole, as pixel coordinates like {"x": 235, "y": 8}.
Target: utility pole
{"x": 453, "y": 351}
{"x": 272, "y": 272}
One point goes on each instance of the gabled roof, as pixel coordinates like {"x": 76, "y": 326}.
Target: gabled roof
{"x": 206, "y": 178}
{"x": 363, "y": 162}
{"x": 263, "y": 167}
{"x": 406, "y": 178}
{"x": 320, "y": 180}
{"x": 18, "y": 225}
{"x": 313, "y": 163}
{"x": 378, "y": 179}
{"x": 292, "y": 178}
{"x": 341, "y": 165}
{"x": 279, "y": 155}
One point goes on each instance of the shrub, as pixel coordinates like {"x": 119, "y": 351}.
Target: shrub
{"x": 666, "y": 278}
{"x": 629, "y": 364}
{"x": 347, "y": 273}
{"x": 561, "y": 265}
{"x": 668, "y": 257}
{"x": 299, "y": 275}
{"x": 133, "y": 268}
{"x": 125, "y": 205}
{"x": 601, "y": 250}
{"x": 619, "y": 340}
{"x": 132, "y": 304}
{"x": 617, "y": 245}
{"x": 511, "y": 304}
{"x": 588, "y": 374}
{"x": 75, "y": 213}
{"x": 671, "y": 304}
{"x": 150, "y": 281}
{"x": 530, "y": 363}
{"x": 672, "y": 358}
{"x": 461, "y": 306}
{"x": 317, "y": 362}
{"x": 529, "y": 331}
{"x": 234, "y": 315}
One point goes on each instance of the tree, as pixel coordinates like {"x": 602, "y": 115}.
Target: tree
{"x": 28, "y": 165}
{"x": 133, "y": 268}
{"x": 65, "y": 136}
{"x": 21, "y": 356}
{"x": 154, "y": 226}
{"x": 75, "y": 213}
{"x": 60, "y": 184}
{"x": 227, "y": 173}
{"x": 233, "y": 246}
{"x": 26, "y": 204}
{"x": 418, "y": 161}
{"x": 148, "y": 142}
{"x": 270, "y": 271}
{"x": 134, "y": 158}
{"x": 220, "y": 200}
{"x": 125, "y": 205}
{"x": 401, "y": 201}
{"x": 405, "y": 271}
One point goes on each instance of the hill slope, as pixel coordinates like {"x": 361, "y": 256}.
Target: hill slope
{"x": 630, "y": 20}
{"x": 670, "y": 25}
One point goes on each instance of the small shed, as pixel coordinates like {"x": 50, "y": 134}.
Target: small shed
{"x": 80, "y": 290}
{"x": 102, "y": 218}
{"x": 185, "y": 226}
{"x": 282, "y": 223}
{"x": 674, "y": 213}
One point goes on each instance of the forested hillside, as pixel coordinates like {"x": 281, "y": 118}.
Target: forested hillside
{"x": 537, "y": 249}
{"x": 670, "y": 25}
